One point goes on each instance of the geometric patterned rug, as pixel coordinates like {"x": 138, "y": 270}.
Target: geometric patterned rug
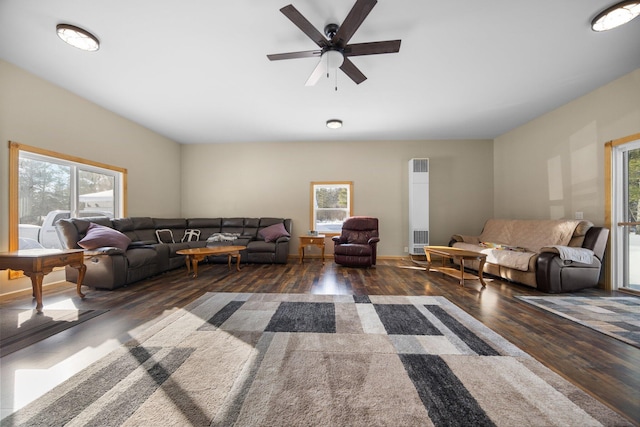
{"x": 618, "y": 317}
{"x": 240, "y": 359}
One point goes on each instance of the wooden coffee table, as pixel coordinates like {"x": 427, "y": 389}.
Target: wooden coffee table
{"x": 461, "y": 255}
{"x": 198, "y": 254}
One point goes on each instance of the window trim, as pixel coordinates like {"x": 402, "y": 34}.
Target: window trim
{"x": 14, "y": 181}
{"x": 349, "y": 184}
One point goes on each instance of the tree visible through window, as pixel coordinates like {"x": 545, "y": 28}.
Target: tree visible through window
{"x": 331, "y": 204}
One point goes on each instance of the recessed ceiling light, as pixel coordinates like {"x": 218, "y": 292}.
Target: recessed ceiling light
{"x": 77, "y": 37}
{"x": 334, "y": 124}
{"x": 616, "y": 15}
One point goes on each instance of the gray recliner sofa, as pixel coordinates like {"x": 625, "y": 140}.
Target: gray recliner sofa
{"x": 147, "y": 255}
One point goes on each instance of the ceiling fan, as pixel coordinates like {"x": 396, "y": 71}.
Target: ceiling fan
{"x": 334, "y": 47}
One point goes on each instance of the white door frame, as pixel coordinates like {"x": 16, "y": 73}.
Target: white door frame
{"x": 615, "y": 205}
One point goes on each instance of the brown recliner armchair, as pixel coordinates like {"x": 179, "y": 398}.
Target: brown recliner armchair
{"x": 357, "y": 244}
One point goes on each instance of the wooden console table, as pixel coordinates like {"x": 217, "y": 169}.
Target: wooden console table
{"x": 36, "y": 263}
{"x": 317, "y": 240}
{"x": 457, "y": 254}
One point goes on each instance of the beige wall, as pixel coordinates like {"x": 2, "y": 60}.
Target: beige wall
{"x": 553, "y": 166}
{"x": 37, "y": 113}
{"x": 273, "y": 180}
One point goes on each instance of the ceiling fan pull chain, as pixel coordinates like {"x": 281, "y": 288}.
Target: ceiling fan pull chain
{"x": 336, "y": 73}
{"x": 328, "y": 65}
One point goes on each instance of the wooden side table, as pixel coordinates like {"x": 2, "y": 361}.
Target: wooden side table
{"x": 311, "y": 240}
{"x": 36, "y": 263}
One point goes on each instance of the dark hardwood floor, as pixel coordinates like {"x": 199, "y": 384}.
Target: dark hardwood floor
{"x": 602, "y": 366}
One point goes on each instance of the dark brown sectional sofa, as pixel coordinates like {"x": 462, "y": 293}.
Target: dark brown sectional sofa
{"x": 110, "y": 267}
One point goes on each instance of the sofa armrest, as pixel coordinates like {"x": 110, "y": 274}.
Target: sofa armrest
{"x": 554, "y": 275}
{"x": 373, "y": 240}
{"x": 283, "y": 239}
{"x": 105, "y": 250}
{"x": 339, "y": 239}
{"x": 464, "y": 239}
{"x": 569, "y": 254}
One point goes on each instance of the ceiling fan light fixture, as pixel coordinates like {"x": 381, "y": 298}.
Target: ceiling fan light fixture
{"x": 77, "y": 37}
{"x": 335, "y": 59}
{"x": 334, "y": 123}
{"x": 616, "y": 15}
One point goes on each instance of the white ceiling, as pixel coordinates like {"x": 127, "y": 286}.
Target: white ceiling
{"x": 196, "y": 71}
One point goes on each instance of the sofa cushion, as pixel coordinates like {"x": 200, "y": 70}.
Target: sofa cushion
{"x": 350, "y": 249}
{"x": 529, "y": 234}
{"x": 274, "y": 232}
{"x": 99, "y": 236}
{"x": 519, "y": 260}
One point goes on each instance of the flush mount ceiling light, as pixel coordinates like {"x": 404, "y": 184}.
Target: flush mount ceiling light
{"x": 334, "y": 124}
{"x": 77, "y": 37}
{"x": 616, "y": 15}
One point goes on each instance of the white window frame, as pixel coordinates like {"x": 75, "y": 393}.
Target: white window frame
{"x": 315, "y": 185}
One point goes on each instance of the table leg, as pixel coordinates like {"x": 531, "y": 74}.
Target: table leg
{"x": 323, "y": 254}
{"x": 229, "y": 261}
{"x": 36, "y": 284}
{"x": 194, "y": 264}
{"x": 428, "y": 254}
{"x": 188, "y": 261}
{"x": 301, "y": 254}
{"x": 238, "y": 261}
{"x": 82, "y": 269}
{"x": 480, "y": 269}
{"x": 462, "y": 271}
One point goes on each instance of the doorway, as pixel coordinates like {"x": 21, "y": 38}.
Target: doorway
{"x": 624, "y": 220}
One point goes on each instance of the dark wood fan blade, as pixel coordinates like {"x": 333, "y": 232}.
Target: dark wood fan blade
{"x": 294, "y": 55}
{"x": 352, "y": 71}
{"x": 306, "y": 26}
{"x": 352, "y": 22}
{"x": 373, "y": 48}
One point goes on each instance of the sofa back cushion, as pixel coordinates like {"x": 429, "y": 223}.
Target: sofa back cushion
{"x": 359, "y": 229}
{"x": 207, "y": 226}
{"x": 176, "y": 225}
{"x": 534, "y": 234}
{"x": 144, "y": 228}
{"x": 232, "y": 225}
{"x": 126, "y": 227}
{"x": 251, "y": 227}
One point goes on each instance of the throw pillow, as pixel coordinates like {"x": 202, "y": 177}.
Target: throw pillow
{"x": 99, "y": 236}
{"x": 274, "y": 232}
{"x": 165, "y": 235}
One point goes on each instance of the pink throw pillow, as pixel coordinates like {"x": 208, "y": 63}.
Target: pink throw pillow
{"x": 99, "y": 236}
{"x": 274, "y": 232}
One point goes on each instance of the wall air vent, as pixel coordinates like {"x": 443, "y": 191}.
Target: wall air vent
{"x": 418, "y": 205}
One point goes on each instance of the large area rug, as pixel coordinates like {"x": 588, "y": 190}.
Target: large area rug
{"x": 21, "y": 328}
{"x": 293, "y": 359}
{"x": 618, "y": 317}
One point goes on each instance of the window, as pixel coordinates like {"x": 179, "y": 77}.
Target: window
{"x": 331, "y": 204}
{"x": 47, "y": 186}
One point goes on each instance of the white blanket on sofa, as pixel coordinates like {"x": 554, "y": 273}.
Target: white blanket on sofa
{"x": 568, "y": 253}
